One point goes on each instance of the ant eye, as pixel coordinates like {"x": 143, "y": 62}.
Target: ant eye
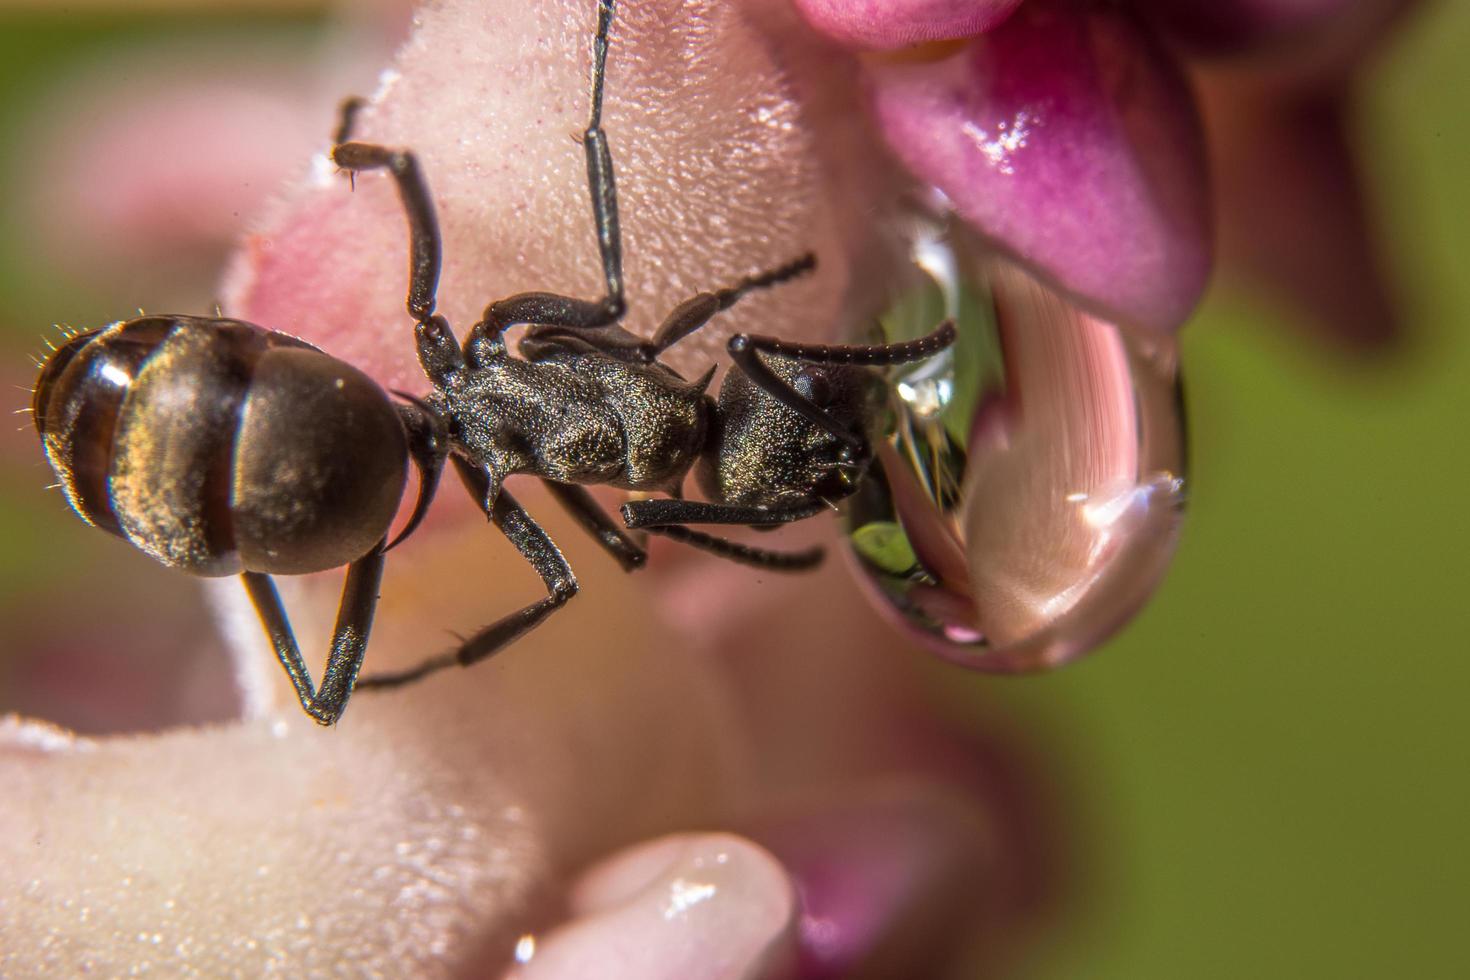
{"x": 814, "y": 386}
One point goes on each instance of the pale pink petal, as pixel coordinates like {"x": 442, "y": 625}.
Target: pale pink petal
{"x": 431, "y": 828}
{"x": 423, "y": 835}
{"x": 887, "y": 24}
{"x": 721, "y": 141}
{"x": 691, "y": 905}
{"x": 1069, "y": 139}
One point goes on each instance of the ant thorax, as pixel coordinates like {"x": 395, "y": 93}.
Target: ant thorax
{"x": 577, "y": 416}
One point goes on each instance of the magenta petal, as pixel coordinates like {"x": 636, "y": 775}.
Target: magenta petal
{"x": 888, "y": 24}
{"x": 1295, "y": 218}
{"x": 1072, "y": 141}
{"x": 892, "y": 876}
{"x": 1230, "y": 26}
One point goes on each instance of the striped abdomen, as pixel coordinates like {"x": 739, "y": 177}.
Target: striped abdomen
{"x": 215, "y": 445}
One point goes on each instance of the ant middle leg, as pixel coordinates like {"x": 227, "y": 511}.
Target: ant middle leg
{"x": 601, "y": 528}
{"x": 536, "y": 547}
{"x": 662, "y": 511}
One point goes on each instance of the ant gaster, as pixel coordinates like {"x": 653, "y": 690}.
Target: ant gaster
{"x": 219, "y": 447}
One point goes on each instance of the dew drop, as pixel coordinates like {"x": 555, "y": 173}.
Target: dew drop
{"x": 1029, "y": 483}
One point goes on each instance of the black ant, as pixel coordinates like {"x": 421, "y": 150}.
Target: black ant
{"x": 220, "y": 447}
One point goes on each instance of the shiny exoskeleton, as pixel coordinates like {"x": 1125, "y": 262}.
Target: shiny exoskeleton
{"x": 219, "y": 447}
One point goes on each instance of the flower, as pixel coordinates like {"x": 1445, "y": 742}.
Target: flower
{"x": 1075, "y": 135}
{"x": 434, "y": 829}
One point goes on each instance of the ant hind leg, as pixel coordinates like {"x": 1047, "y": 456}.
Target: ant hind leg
{"x": 425, "y": 243}
{"x": 536, "y": 547}
{"x": 349, "y": 637}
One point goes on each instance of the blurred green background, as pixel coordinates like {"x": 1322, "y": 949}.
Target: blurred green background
{"x": 1272, "y": 766}
{"x": 1267, "y": 774}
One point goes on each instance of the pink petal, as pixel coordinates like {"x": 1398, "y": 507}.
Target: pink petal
{"x": 1239, "y": 26}
{"x": 889, "y": 881}
{"x": 884, "y": 25}
{"x": 430, "y": 829}
{"x": 1071, "y": 141}
{"x": 1294, "y": 221}
{"x": 116, "y": 209}
{"x": 689, "y": 905}
{"x": 422, "y": 836}
{"x": 721, "y": 170}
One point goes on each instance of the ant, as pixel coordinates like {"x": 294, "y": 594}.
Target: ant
{"x": 219, "y": 447}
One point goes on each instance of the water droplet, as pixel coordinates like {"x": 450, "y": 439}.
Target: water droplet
{"x": 1028, "y": 494}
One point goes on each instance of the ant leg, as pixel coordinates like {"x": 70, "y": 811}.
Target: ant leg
{"x": 745, "y": 350}
{"x": 776, "y": 561}
{"x": 682, "y": 321}
{"x": 425, "y": 244}
{"x": 662, "y": 512}
{"x": 669, "y": 517}
{"x": 536, "y": 547}
{"x": 696, "y": 311}
{"x": 594, "y": 520}
{"x": 347, "y": 112}
{"x": 567, "y": 311}
{"x": 600, "y": 170}
{"x": 349, "y": 637}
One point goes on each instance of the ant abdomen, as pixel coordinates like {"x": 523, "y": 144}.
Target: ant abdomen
{"x": 217, "y": 446}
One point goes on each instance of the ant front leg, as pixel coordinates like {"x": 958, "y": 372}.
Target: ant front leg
{"x": 745, "y": 350}
{"x": 670, "y": 517}
{"x": 553, "y": 308}
{"x": 349, "y": 637}
{"x": 536, "y": 547}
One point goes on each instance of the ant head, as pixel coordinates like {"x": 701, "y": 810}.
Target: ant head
{"x": 765, "y": 454}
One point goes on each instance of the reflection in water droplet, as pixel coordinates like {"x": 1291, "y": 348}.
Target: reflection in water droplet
{"x": 1032, "y": 479}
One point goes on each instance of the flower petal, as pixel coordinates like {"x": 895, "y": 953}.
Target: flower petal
{"x": 890, "y": 878}
{"x": 1294, "y": 221}
{"x": 1222, "y": 27}
{"x": 690, "y": 905}
{"x": 720, "y": 167}
{"x": 1071, "y": 140}
{"x": 898, "y": 23}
